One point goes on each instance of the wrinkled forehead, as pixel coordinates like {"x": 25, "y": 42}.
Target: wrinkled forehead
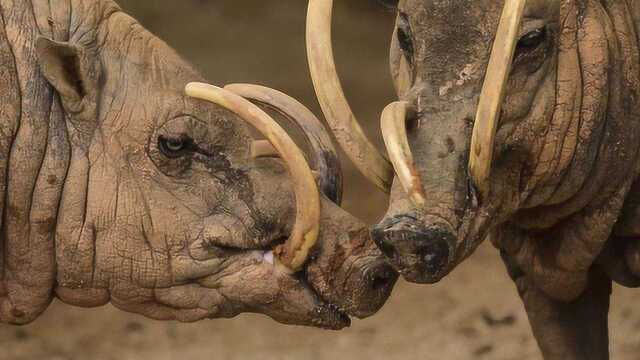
{"x": 453, "y": 38}
{"x": 444, "y": 16}
{"x": 450, "y": 35}
{"x": 446, "y": 9}
{"x": 477, "y": 13}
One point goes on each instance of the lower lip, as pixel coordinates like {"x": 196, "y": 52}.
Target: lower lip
{"x": 342, "y": 319}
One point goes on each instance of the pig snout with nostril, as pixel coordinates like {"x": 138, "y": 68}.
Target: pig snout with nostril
{"x": 347, "y": 268}
{"x": 421, "y": 251}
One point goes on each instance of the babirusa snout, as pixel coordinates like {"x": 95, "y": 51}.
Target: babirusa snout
{"x": 348, "y": 269}
{"x": 420, "y": 248}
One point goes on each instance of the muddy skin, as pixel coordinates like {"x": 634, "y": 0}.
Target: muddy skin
{"x": 562, "y": 203}
{"x": 118, "y": 188}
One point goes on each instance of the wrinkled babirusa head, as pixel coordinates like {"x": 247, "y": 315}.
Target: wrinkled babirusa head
{"x": 171, "y": 209}
{"x": 507, "y": 109}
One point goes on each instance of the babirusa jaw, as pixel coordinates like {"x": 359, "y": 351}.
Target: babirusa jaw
{"x": 493, "y": 92}
{"x": 294, "y": 253}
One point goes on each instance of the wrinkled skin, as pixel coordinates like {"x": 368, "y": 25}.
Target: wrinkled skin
{"x": 120, "y": 189}
{"x": 562, "y": 205}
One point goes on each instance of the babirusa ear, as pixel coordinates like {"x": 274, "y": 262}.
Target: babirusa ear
{"x": 68, "y": 70}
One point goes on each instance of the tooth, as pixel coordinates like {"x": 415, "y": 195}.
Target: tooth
{"x": 268, "y": 257}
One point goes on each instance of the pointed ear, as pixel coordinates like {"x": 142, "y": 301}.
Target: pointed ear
{"x": 68, "y": 69}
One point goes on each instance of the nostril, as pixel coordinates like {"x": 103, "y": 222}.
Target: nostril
{"x": 434, "y": 255}
{"x": 379, "y": 282}
{"x": 382, "y": 279}
{"x": 420, "y": 249}
{"x": 373, "y": 282}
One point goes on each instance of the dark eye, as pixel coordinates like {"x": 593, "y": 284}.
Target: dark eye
{"x": 175, "y": 146}
{"x": 405, "y": 37}
{"x": 532, "y": 40}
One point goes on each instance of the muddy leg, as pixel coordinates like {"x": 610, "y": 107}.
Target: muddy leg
{"x": 569, "y": 331}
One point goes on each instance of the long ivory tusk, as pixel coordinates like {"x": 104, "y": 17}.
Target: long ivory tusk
{"x": 304, "y": 235}
{"x": 404, "y": 77}
{"x": 369, "y": 161}
{"x": 324, "y": 159}
{"x": 492, "y": 96}
{"x": 263, "y": 149}
{"x": 394, "y": 132}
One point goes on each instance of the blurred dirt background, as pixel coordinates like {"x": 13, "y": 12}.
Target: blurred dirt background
{"x": 474, "y": 314}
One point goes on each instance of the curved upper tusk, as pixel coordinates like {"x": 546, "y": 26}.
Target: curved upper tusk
{"x": 369, "y": 161}
{"x": 394, "y": 132}
{"x": 493, "y": 91}
{"x": 324, "y": 158}
{"x": 304, "y": 235}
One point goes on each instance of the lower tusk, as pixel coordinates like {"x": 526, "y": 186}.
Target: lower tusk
{"x": 263, "y": 149}
{"x": 294, "y": 253}
{"x": 394, "y": 132}
{"x": 492, "y": 96}
{"x": 323, "y": 155}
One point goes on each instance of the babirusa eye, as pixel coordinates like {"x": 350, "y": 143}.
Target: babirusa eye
{"x": 174, "y": 146}
{"x": 532, "y": 39}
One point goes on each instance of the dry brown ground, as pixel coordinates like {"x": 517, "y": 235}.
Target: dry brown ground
{"x": 473, "y": 314}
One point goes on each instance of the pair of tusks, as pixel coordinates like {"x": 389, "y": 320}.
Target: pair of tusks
{"x": 238, "y": 99}
{"x": 371, "y": 163}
